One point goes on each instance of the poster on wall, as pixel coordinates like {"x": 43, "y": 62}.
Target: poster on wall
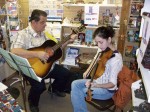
{"x": 91, "y": 15}
{"x": 53, "y": 8}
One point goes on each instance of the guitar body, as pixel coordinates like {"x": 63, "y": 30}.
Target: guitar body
{"x": 42, "y": 69}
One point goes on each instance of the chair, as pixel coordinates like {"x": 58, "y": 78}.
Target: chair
{"x": 122, "y": 96}
{"x": 103, "y": 105}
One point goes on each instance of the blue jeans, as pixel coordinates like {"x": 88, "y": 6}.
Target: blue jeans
{"x": 78, "y": 94}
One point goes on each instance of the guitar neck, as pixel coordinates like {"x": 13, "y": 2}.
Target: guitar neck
{"x": 81, "y": 28}
{"x": 59, "y": 44}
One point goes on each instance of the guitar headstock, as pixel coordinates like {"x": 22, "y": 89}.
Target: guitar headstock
{"x": 79, "y": 29}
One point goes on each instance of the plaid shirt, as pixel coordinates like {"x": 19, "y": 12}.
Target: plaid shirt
{"x": 28, "y": 38}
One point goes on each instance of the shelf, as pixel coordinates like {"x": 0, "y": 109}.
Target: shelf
{"x": 136, "y": 101}
{"x": 132, "y": 43}
{"x": 145, "y": 76}
{"x": 135, "y": 1}
{"x": 134, "y": 15}
{"x": 135, "y": 29}
{"x": 77, "y": 25}
{"x": 101, "y": 5}
{"x": 2, "y": 15}
{"x": 71, "y": 25}
{"x": 69, "y": 64}
{"x": 82, "y": 46}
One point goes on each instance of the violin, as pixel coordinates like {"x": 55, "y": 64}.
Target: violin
{"x": 100, "y": 68}
{"x": 105, "y": 56}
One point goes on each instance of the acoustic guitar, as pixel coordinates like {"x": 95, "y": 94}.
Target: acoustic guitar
{"x": 42, "y": 69}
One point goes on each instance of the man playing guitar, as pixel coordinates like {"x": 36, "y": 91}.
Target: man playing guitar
{"x": 32, "y": 37}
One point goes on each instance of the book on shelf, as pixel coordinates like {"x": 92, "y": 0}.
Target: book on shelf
{"x": 130, "y": 51}
{"x": 135, "y": 22}
{"x": 81, "y": 37}
{"x": 136, "y": 8}
{"x": 134, "y": 50}
{"x": 71, "y": 54}
{"x": 133, "y": 36}
{"x": 88, "y": 36}
{"x": 132, "y": 22}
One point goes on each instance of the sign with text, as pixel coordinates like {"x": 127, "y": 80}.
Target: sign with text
{"x": 91, "y": 15}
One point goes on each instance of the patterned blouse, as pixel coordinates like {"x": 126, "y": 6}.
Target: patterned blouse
{"x": 113, "y": 67}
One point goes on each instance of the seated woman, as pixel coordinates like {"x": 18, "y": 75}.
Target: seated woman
{"x": 104, "y": 84}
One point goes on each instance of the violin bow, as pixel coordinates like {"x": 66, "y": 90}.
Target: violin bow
{"x": 89, "y": 91}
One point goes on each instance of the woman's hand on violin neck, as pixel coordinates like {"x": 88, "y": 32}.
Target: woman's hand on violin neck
{"x": 88, "y": 83}
{"x": 93, "y": 84}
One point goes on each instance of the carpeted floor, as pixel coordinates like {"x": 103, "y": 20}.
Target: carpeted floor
{"x": 53, "y": 103}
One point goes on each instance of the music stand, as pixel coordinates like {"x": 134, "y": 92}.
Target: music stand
{"x": 25, "y": 67}
{"x": 22, "y": 66}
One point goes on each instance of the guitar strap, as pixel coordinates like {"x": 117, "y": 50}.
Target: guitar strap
{"x": 50, "y": 37}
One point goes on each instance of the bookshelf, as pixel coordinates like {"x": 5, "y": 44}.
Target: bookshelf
{"x": 13, "y": 21}
{"x": 8, "y": 20}
{"x": 132, "y": 40}
{"x": 145, "y": 72}
{"x": 107, "y": 16}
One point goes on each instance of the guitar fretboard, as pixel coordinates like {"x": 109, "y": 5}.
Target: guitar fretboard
{"x": 59, "y": 44}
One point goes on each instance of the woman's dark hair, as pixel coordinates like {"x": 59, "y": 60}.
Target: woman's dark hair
{"x": 36, "y": 15}
{"x": 104, "y": 32}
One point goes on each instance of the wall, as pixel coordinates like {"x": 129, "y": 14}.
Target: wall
{"x": 2, "y": 2}
{"x": 24, "y": 12}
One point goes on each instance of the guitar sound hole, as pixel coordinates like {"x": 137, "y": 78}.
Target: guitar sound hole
{"x": 49, "y": 50}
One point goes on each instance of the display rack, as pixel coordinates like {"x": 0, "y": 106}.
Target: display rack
{"x": 145, "y": 73}
{"x": 74, "y": 15}
{"x": 13, "y": 21}
{"x": 8, "y": 12}
{"x": 132, "y": 41}
{"x": 2, "y": 36}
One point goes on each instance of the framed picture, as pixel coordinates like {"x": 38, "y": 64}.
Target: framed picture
{"x": 81, "y": 37}
{"x": 136, "y": 8}
{"x": 72, "y": 52}
{"x": 128, "y": 51}
{"x": 133, "y": 22}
